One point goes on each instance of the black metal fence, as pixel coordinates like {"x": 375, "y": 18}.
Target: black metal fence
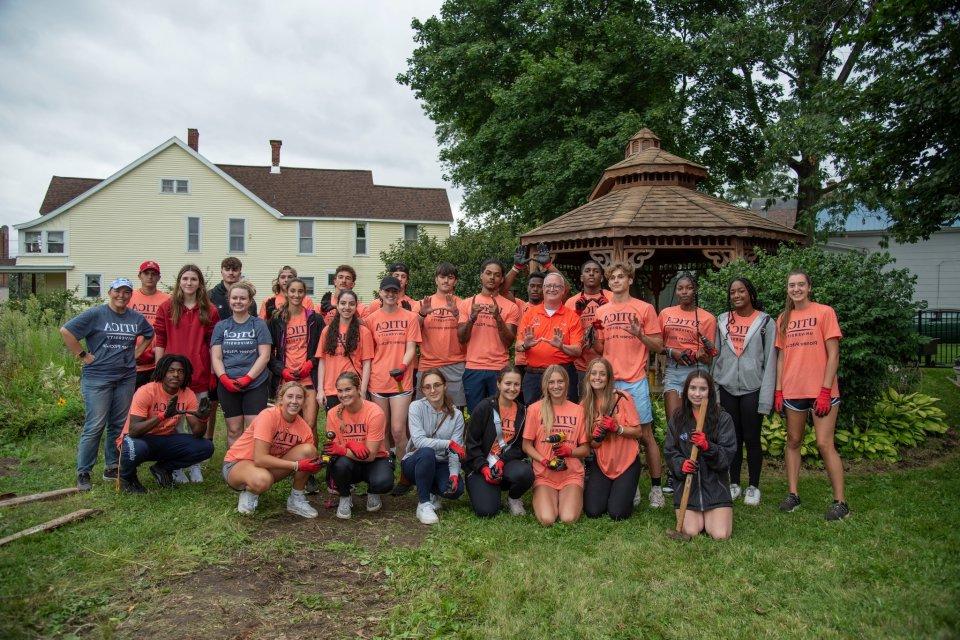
{"x": 942, "y": 326}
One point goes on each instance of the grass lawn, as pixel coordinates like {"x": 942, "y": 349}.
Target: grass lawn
{"x": 183, "y": 564}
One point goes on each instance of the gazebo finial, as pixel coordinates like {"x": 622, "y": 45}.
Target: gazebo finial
{"x": 641, "y": 141}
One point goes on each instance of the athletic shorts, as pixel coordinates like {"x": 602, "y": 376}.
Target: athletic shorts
{"x": 393, "y": 394}
{"x": 806, "y": 404}
{"x": 249, "y": 402}
{"x": 675, "y": 375}
{"x": 454, "y": 375}
{"x": 640, "y": 390}
{"x": 225, "y": 470}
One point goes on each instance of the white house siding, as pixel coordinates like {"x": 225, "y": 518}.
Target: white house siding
{"x": 129, "y": 221}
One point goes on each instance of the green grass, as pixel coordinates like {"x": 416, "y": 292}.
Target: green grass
{"x": 937, "y": 383}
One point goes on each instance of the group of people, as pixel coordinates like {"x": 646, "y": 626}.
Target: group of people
{"x": 566, "y": 419}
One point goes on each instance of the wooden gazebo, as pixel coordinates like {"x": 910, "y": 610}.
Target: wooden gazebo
{"x": 646, "y": 210}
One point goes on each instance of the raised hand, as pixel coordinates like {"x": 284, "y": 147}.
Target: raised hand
{"x": 326, "y": 303}
{"x": 543, "y": 256}
{"x": 452, "y": 306}
{"x": 634, "y": 327}
{"x": 557, "y": 339}
{"x": 171, "y": 409}
{"x": 529, "y": 341}
{"x": 203, "y": 409}
{"x": 426, "y": 306}
{"x": 520, "y": 258}
{"x": 476, "y": 310}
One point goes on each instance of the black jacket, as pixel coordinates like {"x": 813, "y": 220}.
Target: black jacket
{"x": 278, "y": 353}
{"x": 482, "y": 433}
{"x": 218, "y": 298}
{"x": 711, "y": 482}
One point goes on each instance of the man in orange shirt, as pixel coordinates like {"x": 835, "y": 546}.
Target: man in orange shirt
{"x": 549, "y": 333}
{"x": 441, "y": 348}
{"x": 147, "y": 300}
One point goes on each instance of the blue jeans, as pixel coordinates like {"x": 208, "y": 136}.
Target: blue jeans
{"x": 105, "y": 404}
{"x": 429, "y": 474}
{"x": 477, "y": 385}
{"x": 171, "y": 452}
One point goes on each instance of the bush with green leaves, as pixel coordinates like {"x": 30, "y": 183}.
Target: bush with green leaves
{"x": 873, "y": 301}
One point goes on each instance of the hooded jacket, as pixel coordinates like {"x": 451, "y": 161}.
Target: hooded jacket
{"x": 278, "y": 354}
{"x": 755, "y": 368}
{"x": 482, "y": 432}
{"x": 711, "y": 482}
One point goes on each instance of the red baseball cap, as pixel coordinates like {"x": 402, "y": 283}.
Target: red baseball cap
{"x": 147, "y": 265}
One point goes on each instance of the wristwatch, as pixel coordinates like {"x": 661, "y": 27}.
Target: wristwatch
{"x": 82, "y": 355}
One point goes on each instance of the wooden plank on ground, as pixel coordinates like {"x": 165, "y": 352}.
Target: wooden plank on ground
{"x": 53, "y": 524}
{"x": 36, "y": 497}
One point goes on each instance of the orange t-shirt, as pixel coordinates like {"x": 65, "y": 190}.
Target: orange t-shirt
{"x": 543, "y": 354}
{"x": 568, "y": 419}
{"x": 737, "y": 330}
{"x": 508, "y": 424}
{"x": 361, "y": 309}
{"x": 270, "y": 426}
{"x": 626, "y": 352}
{"x": 519, "y": 357}
{"x": 148, "y": 306}
{"x": 295, "y": 344}
{"x": 151, "y": 400}
{"x": 391, "y": 333}
{"x": 680, "y": 329}
{"x": 440, "y": 345}
{"x": 334, "y": 365}
{"x": 377, "y": 304}
{"x": 804, "y": 351}
{"x": 279, "y": 299}
{"x": 616, "y": 453}
{"x": 586, "y": 319}
{"x": 366, "y": 425}
{"x": 485, "y": 350}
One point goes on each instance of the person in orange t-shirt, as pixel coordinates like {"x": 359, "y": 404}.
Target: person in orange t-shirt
{"x": 534, "y": 297}
{"x": 548, "y": 334}
{"x": 441, "y": 348}
{"x": 487, "y": 326}
{"x": 295, "y": 331}
{"x": 614, "y": 470}
{"x": 272, "y": 304}
{"x": 555, "y": 438}
{"x": 592, "y": 296}
{"x": 808, "y": 340}
{"x": 345, "y": 345}
{"x": 147, "y": 300}
{"x": 277, "y": 443}
{"x": 150, "y": 432}
{"x": 396, "y": 333}
{"x": 358, "y": 448}
{"x": 344, "y": 279}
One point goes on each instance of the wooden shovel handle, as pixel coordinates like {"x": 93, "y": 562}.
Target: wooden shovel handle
{"x": 694, "y": 453}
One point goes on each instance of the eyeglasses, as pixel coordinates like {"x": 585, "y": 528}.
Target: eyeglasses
{"x": 433, "y": 387}
{"x": 553, "y": 286}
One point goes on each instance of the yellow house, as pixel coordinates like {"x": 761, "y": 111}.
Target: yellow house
{"x": 174, "y": 206}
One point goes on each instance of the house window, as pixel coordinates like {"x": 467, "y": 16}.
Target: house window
{"x": 93, "y": 285}
{"x": 331, "y": 274}
{"x": 171, "y": 185}
{"x": 238, "y": 235}
{"x": 32, "y": 241}
{"x": 55, "y": 242}
{"x": 360, "y": 245}
{"x": 410, "y": 233}
{"x": 193, "y": 234}
{"x": 305, "y": 236}
{"x": 308, "y": 283}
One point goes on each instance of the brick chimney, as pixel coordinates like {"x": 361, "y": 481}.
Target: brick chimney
{"x": 275, "y": 155}
{"x": 193, "y": 139}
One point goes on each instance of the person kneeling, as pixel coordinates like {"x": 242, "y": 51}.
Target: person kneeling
{"x": 435, "y": 448}
{"x": 277, "y": 443}
{"x": 356, "y": 449}
{"x": 150, "y": 432}
{"x": 710, "y": 505}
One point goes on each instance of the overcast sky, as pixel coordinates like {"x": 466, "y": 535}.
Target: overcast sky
{"x": 87, "y": 87}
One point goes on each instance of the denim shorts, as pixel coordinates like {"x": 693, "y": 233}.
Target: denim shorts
{"x": 225, "y": 469}
{"x": 675, "y": 375}
{"x": 640, "y": 390}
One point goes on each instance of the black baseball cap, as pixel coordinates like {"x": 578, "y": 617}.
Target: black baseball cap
{"x": 390, "y": 283}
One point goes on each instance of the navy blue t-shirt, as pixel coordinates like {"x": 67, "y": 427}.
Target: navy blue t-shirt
{"x": 111, "y": 337}
{"x": 239, "y": 342}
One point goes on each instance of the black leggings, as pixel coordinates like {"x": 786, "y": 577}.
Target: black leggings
{"x": 346, "y": 472}
{"x": 485, "y": 497}
{"x": 613, "y": 496}
{"x": 746, "y": 423}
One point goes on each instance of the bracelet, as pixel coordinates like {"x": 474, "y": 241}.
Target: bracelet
{"x": 620, "y": 430}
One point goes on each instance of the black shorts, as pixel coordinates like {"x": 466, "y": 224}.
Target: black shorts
{"x": 805, "y": 404}
{"x": 213, "y": 392}
{"x": 249, "y": 402}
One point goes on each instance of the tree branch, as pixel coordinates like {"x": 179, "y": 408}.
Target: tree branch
{"x": 858, "y": 46}
{"x": 833, "y": 186}
{"x": 754, "y": 102}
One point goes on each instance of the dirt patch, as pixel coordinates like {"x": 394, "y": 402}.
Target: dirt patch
{"x": 9, "y": 467}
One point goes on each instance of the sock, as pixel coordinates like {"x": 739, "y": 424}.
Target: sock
{"x": 296, "y": 493}
{"x": 655, "y": 482}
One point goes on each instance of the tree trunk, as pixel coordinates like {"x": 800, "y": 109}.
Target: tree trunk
{"x": 809, "y": 193}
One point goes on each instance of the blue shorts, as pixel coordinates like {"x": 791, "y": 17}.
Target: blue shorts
{"x": 640, "y": 390}
{"x": 675, "y": 375}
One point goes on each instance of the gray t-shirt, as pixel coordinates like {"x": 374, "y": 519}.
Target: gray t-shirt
{"x": 111, "y": 337}
{"x": 239, "y": 342}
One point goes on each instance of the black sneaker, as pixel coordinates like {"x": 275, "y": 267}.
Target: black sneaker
{"x": 790, "y": 503}
{"x": 83, "y": 481}
{"x": 132, "y": 485}
{"x": 312, "y": 485}
{"x": 110, "y": 473}
{"x": 401, "y": 489}
{"x": 838, "y": 511}
{"x": 164, "y": 478}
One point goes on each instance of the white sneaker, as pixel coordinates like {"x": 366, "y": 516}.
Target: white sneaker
{"x": 436, "y": 501}
{"x": 297, "y": 503}
{"x": 515, "y": 505}
{"x": 752, "y": 497}
{"x": 180, "y": 477}
{"x": 193, "y": 471}
{"x": 247, "y": 502}
{"x": 656, "y": 498}
{"x": 345, "y": 508}
{"x": 735, "y": 491}
{"x": 637, "y": 498}
{"x": 426, "y": 514}
{"x": 373, "y": 502}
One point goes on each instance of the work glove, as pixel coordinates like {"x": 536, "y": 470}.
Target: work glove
{"x": 563, "y": 450}
{"x": 689, "y": 466}
{"x": 687, "y": 357}
{"x": 497, "y": 470}
{"x": 398, "y": 373}
{"x": 229, "y": 384}
{"x": 489, "y": 476}
{"x": 556, "y": 464}
{"x": 458, "y": 449}
{"x": 334, "y": 449}
{"x": 306, "y": 369}
{"x": 543, "y": 256}
{"x": 454, "y": 485}
{"x": 309, "y": 466}
{"x": 608, "y": 423}
{"x": 171, "y": 409}
{"x": 203, "y": 408}
{"x": 599, "y": 433}
{"x": 326, "y": 304}
{"x": 821, "y": 406}
{"x": 699, "y": 439}
{"x": 520, "y": 258}
{"x": 406, "y": 305}
{"x": 778, "y": 401}
{"x": 244, "y": 381}
{"x": 359, "y": 449}
{"x": 581, "y": 305}
{"x": 288, "y": 375}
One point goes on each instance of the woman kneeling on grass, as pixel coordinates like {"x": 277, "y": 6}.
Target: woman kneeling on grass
{"x": 435, "y": 448}
{"x": 555, "y": 438}
{"x": 359, "y": 428}
{"x": 495, "y": 458}
{"x": 710, "y": 507}
{"x": 277, "y": 443}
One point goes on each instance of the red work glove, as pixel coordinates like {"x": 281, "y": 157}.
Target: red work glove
{"x": 608, "y": 423}
{"x": 309, "y": 466}
{"x": 458, "y": 449}
{"x": 398, "y": 373}
{"x": 563, "y": 450}
{"x": 359, "y": 449}
{"x": 599, "y": 433}
{"x": 244, "y": 381}
{"x": 546, "y": 463}
{"x": 454, "y": 485}
{"x": 497, "y": 470}
{"x": 778, "y": 401}
{"x": 821, "y": 406}
{"x": 489, "y": 475}
{"x": 287, "y": 375}
{"x": 689, "y": 466}
{"x": 306, "y": 369}
{"x": 229, "y": 384}
{"x": 334, "y": 449}
{"x": 699, "y": 438}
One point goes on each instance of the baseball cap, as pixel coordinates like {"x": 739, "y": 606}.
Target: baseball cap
{"x": 147, "y": 265}
{"x": 390, "y": 283}
{"x": 121, "y": 282}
